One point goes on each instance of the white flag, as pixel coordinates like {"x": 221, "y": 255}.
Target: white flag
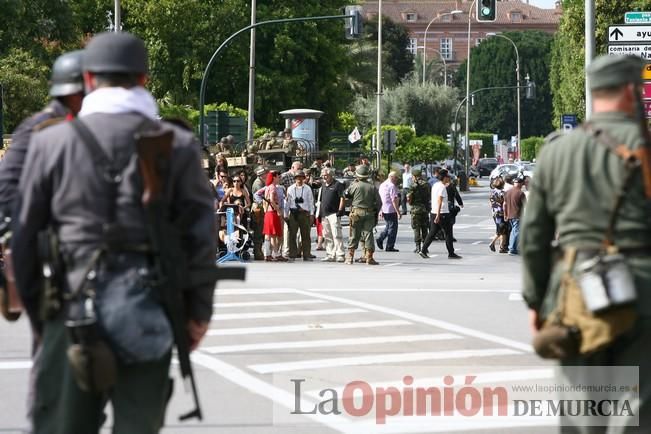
{"x": 355, "y": 136}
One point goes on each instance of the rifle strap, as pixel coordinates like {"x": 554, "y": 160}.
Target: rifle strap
{"x": 632, "y": 162}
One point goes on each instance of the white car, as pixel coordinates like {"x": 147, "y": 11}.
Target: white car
{"x": 505, "y": 169}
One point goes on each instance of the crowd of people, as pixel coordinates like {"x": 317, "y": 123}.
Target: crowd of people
{"x": 508, "y": 198}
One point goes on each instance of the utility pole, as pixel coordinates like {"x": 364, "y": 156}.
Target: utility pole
{"x": 378, "y": 118}
{"x": 589, "y": 52}
{"x": 118, "y": 17}
{"x": 251, "y": 107}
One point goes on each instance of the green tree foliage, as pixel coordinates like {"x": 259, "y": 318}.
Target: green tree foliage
{"x": 24, "y": 79}
{"x": 530, "y": 147}
{"x": 492, "y": 64}
{"x": 428, "y": 107}
{"x": 567, "y": 74}
{"x": 423, "y": 149}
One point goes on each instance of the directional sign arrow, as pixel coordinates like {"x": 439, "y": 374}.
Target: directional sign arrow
{"x": 616, "y": 34}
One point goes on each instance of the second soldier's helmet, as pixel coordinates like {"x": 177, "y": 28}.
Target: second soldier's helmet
{"x": 66, "y": 76}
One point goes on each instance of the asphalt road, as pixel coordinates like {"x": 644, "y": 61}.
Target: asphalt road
{"x": 295, "y": 330}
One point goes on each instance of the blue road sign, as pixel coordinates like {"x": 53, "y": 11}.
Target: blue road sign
{"x": 569, "y": 122}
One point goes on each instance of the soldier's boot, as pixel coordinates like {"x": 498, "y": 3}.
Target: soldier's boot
{"x": 417, "y": 249}
{"x": 361, "y": 259}
{"x": 349, "y": 258}
{"x": 369, "y": 258}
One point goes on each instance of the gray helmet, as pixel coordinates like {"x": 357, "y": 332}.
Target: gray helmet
{"x": 117, "y": 52}
{"x": 66, "y": 76}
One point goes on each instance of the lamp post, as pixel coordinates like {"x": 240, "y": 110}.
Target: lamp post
{"x": 118, "y": 16}
{"x": 251, "y": 103}
{"x": 466, "y": 166}
{"x": 455, "y": 12}
{"x": 378, "y": 108}
{"x": 517, "y": 79}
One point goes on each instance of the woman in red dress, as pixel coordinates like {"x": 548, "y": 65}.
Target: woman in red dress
{"x": 272, "y": 228}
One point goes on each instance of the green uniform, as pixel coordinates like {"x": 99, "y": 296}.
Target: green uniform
{"x": 418, "y": 196}
{"x": 572, "y": 195}
{"x": 364, "y": 208}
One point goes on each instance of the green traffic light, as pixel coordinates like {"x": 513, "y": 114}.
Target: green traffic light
{"x": 485, "y": 11}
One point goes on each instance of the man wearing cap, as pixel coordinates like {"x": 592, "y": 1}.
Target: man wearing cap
{"x": 418, "y": 197}
{"x": 577, "y": 218}
{"x": 365, "y": 205}
{"x": 300, "y": 217}
{"x": 390, "y": 212}
{"x": 109, "y": 338}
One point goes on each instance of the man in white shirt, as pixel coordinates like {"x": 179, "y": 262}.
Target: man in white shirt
{"x": 407, "y": 182}
{"x": 300, "y": 209}
{"x": 440, "y": 218}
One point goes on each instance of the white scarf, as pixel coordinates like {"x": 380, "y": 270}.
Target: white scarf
{"x": 120, "y": 100}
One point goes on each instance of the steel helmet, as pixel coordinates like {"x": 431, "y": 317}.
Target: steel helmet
{"x": 66, "y": 74}
{"x": 119, "y": 52}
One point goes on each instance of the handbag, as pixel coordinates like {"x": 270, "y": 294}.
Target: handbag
{"x": 595, "y": 303}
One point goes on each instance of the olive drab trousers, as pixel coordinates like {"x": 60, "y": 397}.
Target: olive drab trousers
{"x": 362, "y": 222}
{"x": 420, "y": 224}
{"x": 138, "y": 399}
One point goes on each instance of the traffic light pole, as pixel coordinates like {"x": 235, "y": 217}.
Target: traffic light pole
{"x": 204, "y": 80}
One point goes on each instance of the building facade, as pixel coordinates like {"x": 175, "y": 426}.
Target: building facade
{"x": 447, "y": 35}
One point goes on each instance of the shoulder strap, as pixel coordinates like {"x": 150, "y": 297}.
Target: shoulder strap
{"x": 632, "y": 161}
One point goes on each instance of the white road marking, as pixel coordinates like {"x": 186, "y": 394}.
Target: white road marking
{"x": 498, "y": 291}
{"x": 262, "y": 388}
{"x": 268, "y": 303}
{"x": 15, "y": 365}
{"x": 477, "y": 243}
{"x": 258, "y": 291}
{"x": 515, "y": 296}
{"x": 324, "y": 343}
{"x": 306, "y": 327}
{"x": 283, "y": 314}
{"x": 484, "y": 377}
{"x": 393, "y": 264}
{"x": 376, "y": 359}
{"x": 425, "y": 320}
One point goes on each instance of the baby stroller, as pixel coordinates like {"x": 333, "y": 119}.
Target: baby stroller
{"x": 233, "y": 238}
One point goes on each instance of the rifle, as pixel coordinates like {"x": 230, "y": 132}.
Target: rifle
{"x": 644, "y": 153}
{"x": 154, "y": 150}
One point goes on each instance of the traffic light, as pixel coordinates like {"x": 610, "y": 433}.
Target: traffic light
{"x": 449, "y": 140}
{"x": 354, "y": 24}
{"x": 486, "y": 10}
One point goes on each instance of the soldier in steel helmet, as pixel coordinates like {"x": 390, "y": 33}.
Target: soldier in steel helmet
{"x": 109, "y": 337}
{"x": 365, "y": 206}
{"x": 418, "y": 197}
{"x": 602, "y": 159}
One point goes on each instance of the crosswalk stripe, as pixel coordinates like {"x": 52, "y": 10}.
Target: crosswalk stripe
{"x": 306, "y": 327}
{"x": 254, "y": 291}
{"x": 375, "y": 359}
{"x": 15, "y": 365}
{"x": 286, "y": 313}
{"x": 324, "y": 343}
{"x": 268, "y": 303}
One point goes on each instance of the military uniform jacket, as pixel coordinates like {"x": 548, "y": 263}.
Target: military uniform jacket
{"x": 364, "y": 195}
{"x": 13, "y": 161}
{"x": 572, "y": 194}
{"x": 61, "y": 186}
{"x": 420, "y": 196}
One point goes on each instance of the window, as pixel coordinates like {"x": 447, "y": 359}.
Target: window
{"x": 446, "y": 48}
{"x": 412, "y": 45}
{"x": 516, "y": 17}
{"x": 411, "y": 17}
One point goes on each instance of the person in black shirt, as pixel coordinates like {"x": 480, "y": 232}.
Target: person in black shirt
{"x": 330, "y": 208}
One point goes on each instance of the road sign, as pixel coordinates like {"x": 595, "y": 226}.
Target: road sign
{"x": 569, "y": 122}
{"x": 637, "y": 17}
{"x": 643, "y": 51}
{"x": 624, "y": 34}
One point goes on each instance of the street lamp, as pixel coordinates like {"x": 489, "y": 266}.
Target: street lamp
{"x": 455, "y": 12}
{"x": 445, "y": 66}
{"x": 517, "y": 79}
{"x": 472, "y": 8}
{"x": 378, "y": 102}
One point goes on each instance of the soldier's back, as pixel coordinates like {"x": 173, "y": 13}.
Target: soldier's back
{"x": 363, "y": 194}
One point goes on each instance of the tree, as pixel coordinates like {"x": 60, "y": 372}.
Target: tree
{"x": 567, "y": 74}
{"x": 24, "y": 79}
{"x": 428, "y": 107}
{"x": 492, "y": 64}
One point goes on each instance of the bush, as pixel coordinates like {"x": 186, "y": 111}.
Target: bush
{"x": 530, "y": 147}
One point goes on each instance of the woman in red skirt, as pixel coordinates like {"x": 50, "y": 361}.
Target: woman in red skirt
{"x": 273, "y": 227}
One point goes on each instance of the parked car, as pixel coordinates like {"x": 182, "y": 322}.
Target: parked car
{"x": 505, "y": 169}
{"x": 486, "y": 166}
